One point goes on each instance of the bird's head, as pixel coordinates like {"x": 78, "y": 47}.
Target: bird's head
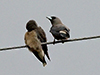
{"x": 31, "y": 25}
{"x": 54, "y": 20}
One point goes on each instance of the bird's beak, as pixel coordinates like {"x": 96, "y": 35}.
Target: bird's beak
{"x": 48, "y": 17}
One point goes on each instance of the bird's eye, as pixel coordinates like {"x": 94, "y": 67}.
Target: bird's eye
{"x": 53, "y": 17}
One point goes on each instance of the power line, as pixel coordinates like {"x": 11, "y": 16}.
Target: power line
{"x": 9, "y": 48}
{"x": 70, "y": 40}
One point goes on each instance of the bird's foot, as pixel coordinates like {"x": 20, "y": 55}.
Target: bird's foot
{"x": 62, "y": 41}
{"x": 54, "y": 42}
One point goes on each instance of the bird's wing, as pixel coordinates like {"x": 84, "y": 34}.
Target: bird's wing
{"x": 42, "y": 37}
{"x": 60, "y": 30}
{"x": 64, "y": 31}
{"x": 41, "y": 34}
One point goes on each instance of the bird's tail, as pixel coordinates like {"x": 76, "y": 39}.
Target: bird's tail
{"x": 44, "y": 47}
{"x": 48, "y": 56}
{"x": 44, "y": 64}
{"x": 41, "y": 57}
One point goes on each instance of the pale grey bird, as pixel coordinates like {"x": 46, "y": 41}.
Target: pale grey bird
{"x": 32, "y": 25}
{"x": 58, "y": 29}
{"x": 34, "y": 45}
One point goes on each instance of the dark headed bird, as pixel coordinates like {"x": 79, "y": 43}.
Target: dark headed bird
{"x": 32, "y": 25}
{"x": 34, "y": 45}
{"x": 58, "y": 29}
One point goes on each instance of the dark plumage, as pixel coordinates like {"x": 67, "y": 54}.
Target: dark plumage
{"x": 32, "y": 25}
{"x": 58, "y": 29}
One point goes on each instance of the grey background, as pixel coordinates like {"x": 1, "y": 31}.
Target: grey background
{"x": 75, "y": 58}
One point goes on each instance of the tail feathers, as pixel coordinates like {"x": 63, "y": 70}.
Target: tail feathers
{"x": 41, "y": 58}
{"x": 44, "y": 64}
{"x": 45, "y": 49}
{"x": 48, "y": 56}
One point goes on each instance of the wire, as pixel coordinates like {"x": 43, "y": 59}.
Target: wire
{"x": 61, "y": 41}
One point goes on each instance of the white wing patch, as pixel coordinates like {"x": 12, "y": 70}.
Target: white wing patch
{"x": 62, "y": 32}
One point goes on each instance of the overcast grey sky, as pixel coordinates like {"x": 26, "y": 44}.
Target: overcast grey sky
{"x": 75, "y": 58}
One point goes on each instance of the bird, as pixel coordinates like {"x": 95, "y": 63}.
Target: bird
{"x": 58, "y": 29}
{"x": 32, "y": 25}
{"x": 34, "y": 45}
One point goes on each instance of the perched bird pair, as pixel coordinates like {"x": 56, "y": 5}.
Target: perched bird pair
{"x": 35, "y": 35}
